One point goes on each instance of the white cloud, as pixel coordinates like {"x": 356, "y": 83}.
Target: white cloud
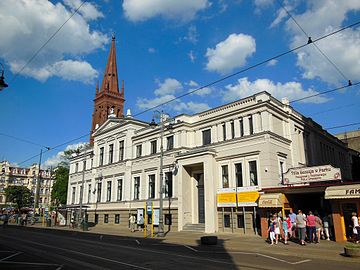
{"x": 87, "y": 10}
{"x": 192, "y": 35}
{"x": 262, "y": 4}
{"x": 170, "y": 86}
{"x": 151, "y": 50}
{"x": 322, "y": 17}
{"x": 230, "y": 53}
{"x": 192, "y": 56}
{"x": 290, "y": 90}
{"x": 60, "y": 157}
{"x": 184, "y": 10}
{"x": 167, "y": 91}
{"x": 32, "y": 22}
{"x": 272, "y": 62}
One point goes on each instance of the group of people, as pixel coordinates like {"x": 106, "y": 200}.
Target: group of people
{"x": 298, "y": 226}
{"x": 140, "y": 223}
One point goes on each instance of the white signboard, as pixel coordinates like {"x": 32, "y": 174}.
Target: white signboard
{"x": 156, "y": 216}
{"x": 140, "y": 212}
{"x": 226, "y": 197}
{"x": 311, "y": 174}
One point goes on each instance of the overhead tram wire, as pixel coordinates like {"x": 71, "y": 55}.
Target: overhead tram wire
{"x": 325, "y": 92}
{"x": 251, "y": 67}
{"x": 21, "y": 140}
{"x": 317, "y": 47}
{"x": 232, "y": 75}
{"x": 49, "y": 39}
{"x": 347, "y": 125}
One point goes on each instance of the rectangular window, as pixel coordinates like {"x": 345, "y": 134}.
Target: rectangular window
{"x": 224, "y": 131}
{"x": 152, "y": 186}
{"x": 251, "y": 125}
{"x": 136, "y": 188}
{"x": 76, "y": 167}
{"x": 168, "y": 185}
{"x": 153, "y": 147}
{"x": 253, "y": 173}
{"x": 206, "y": 134}
{"x": 84, "y": 165}
{"x": 101, "y": 157}
{"x": 241, "y": 127}
{"x": 282, "y": 171}
{"x": 73, "y": 195}
{"x": 108, "y": 194}
{"x": 138, "y": 150}
{"x": 119, "y": 190}
{"x": 227, "y": 221}
{"x": 89, "y": 193}
{"x": 169, "y": 142}
{"x": 96, "y": 219}
{"x": 106, "y": 218}
{"x": 121, "y": 150}
{"x": 232, "y": 129}
{"x": 111, "y": 153}
{"x": 240, "y": 220}
{"x": 117, "y": 218}
{"x": 98, "y": 192}
{"x": 225, "y": 176}
{"x": 239, "y": 175}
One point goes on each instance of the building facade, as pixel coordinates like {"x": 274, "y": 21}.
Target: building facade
{"x": 248, "y": 145}
{"x": 27, "y": 177}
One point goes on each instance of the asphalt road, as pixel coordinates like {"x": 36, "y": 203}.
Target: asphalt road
{"x": 31, "y": 248}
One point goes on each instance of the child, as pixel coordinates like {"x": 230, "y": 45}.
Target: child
{"x": 285, "y": 225}
{"x": 271, "y": 231}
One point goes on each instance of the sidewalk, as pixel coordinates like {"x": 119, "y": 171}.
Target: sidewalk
{"x": 231, "y": 243}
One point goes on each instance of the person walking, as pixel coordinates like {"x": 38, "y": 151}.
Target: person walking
{"x": 301, "y": 227}
{"x": 292, "y": 229}
{"x": 141, "y": 222}
{"x": 132, "y": 221}
{"x": 285, "y": 227}
{"x": 319, "y": 228}
{"x": 277, "y": 222}
{"x": 356, "y": 227}
{"x": 271, "y": 230}
{"x": 326, "y": 227}
{"x": 311, "y": 225}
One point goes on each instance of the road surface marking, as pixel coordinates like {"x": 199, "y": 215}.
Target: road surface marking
{"x": 8, "y": 257}
{"x": 84, "y": 254}
{"x": 193, "y": 249}
{"x": 28, "y": 263}
{"x": 257, "y": 254}
{"x": 59, "y": 268}
{"x": 137, "y": 241}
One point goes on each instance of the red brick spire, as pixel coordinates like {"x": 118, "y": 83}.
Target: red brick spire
{"x": 110, "y": 81}
{"x": 108, "y": 97}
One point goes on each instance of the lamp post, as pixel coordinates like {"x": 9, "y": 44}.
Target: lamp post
{"x": 81, "y": 216}
{"x": 160, "y": 115}
{"x": 37, "y": 189}
{"x": 2, "y": 79}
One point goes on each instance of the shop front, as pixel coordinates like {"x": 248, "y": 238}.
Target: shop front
{"x": 344, "y": 199}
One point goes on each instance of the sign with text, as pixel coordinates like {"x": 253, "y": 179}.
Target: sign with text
{"x": 247, "y": 198}
{"x": 226, "y": 197}
{"x": 311, "y": 174}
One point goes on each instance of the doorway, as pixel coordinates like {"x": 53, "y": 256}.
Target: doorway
{"x": 347, "y": 210}
{"x": 199, "y": 177}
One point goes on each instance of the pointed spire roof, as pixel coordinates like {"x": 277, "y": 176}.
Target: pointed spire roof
{"x": 110, "y": 81}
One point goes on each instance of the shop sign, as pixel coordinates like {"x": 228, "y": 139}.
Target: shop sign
{"x": 311, "y": 174}
{"x": 156, "y": 216}
{"x": 226, "y": 197}
{"x": 343, "y": 192}
{"x": 248, "y": 198}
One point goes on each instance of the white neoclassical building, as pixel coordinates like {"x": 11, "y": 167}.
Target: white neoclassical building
{"x": 249, "y": 143}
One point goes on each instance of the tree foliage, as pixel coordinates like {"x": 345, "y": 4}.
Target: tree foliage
{"x": 59, "y": 189}
{"x": 20, "y": 195}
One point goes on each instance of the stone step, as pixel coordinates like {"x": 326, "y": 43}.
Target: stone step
{"x": 194, "y": 227}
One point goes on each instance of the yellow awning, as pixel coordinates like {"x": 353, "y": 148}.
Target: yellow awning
{"x": 343, "y": 192}
{"x": 271, "y": 200}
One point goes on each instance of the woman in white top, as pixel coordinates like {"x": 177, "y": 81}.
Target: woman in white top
{"x": 356, "y": 227}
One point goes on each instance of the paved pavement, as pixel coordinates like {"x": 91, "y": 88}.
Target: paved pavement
{"x": 104, "y": 245}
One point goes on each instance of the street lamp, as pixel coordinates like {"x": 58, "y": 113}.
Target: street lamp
{"x": 161, "y": 116}
{"x": 2, "y": 79}
{"x": 81, "y": 216}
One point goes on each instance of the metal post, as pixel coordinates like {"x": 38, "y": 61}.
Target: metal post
{"x": 232, "y": 220}
{"x": 161, "y": 219}
{"x": 256, "y": 232}
{"x": 223, "y": 219}
{"x": 244, "y": 213}
{"x": 37, "y": 189}
{"x": 81, "y": 219}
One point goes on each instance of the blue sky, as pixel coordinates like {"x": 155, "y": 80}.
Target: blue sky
{"x": 166, "y": 48}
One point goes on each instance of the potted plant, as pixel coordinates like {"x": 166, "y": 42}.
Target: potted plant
{"x": 352, "y": 250}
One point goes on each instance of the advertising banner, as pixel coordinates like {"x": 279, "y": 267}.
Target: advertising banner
{"x": 311, "y": 174}
{"x": 226, "y": 197}
{"x": 247, "y": 198}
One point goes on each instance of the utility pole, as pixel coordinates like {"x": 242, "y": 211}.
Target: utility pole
{"x": 37, "y": 189}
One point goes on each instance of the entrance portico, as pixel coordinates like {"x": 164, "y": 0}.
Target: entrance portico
{"x": 197, "y": 190}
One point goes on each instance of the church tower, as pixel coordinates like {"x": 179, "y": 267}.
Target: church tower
{"x": 108, "y": 98}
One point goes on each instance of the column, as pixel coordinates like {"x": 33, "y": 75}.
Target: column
{"x": 210, "y": 194}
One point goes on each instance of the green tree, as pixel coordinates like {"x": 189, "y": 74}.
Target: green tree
{"x": 20, "y": 195}
{"x": 59, "y": 189}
